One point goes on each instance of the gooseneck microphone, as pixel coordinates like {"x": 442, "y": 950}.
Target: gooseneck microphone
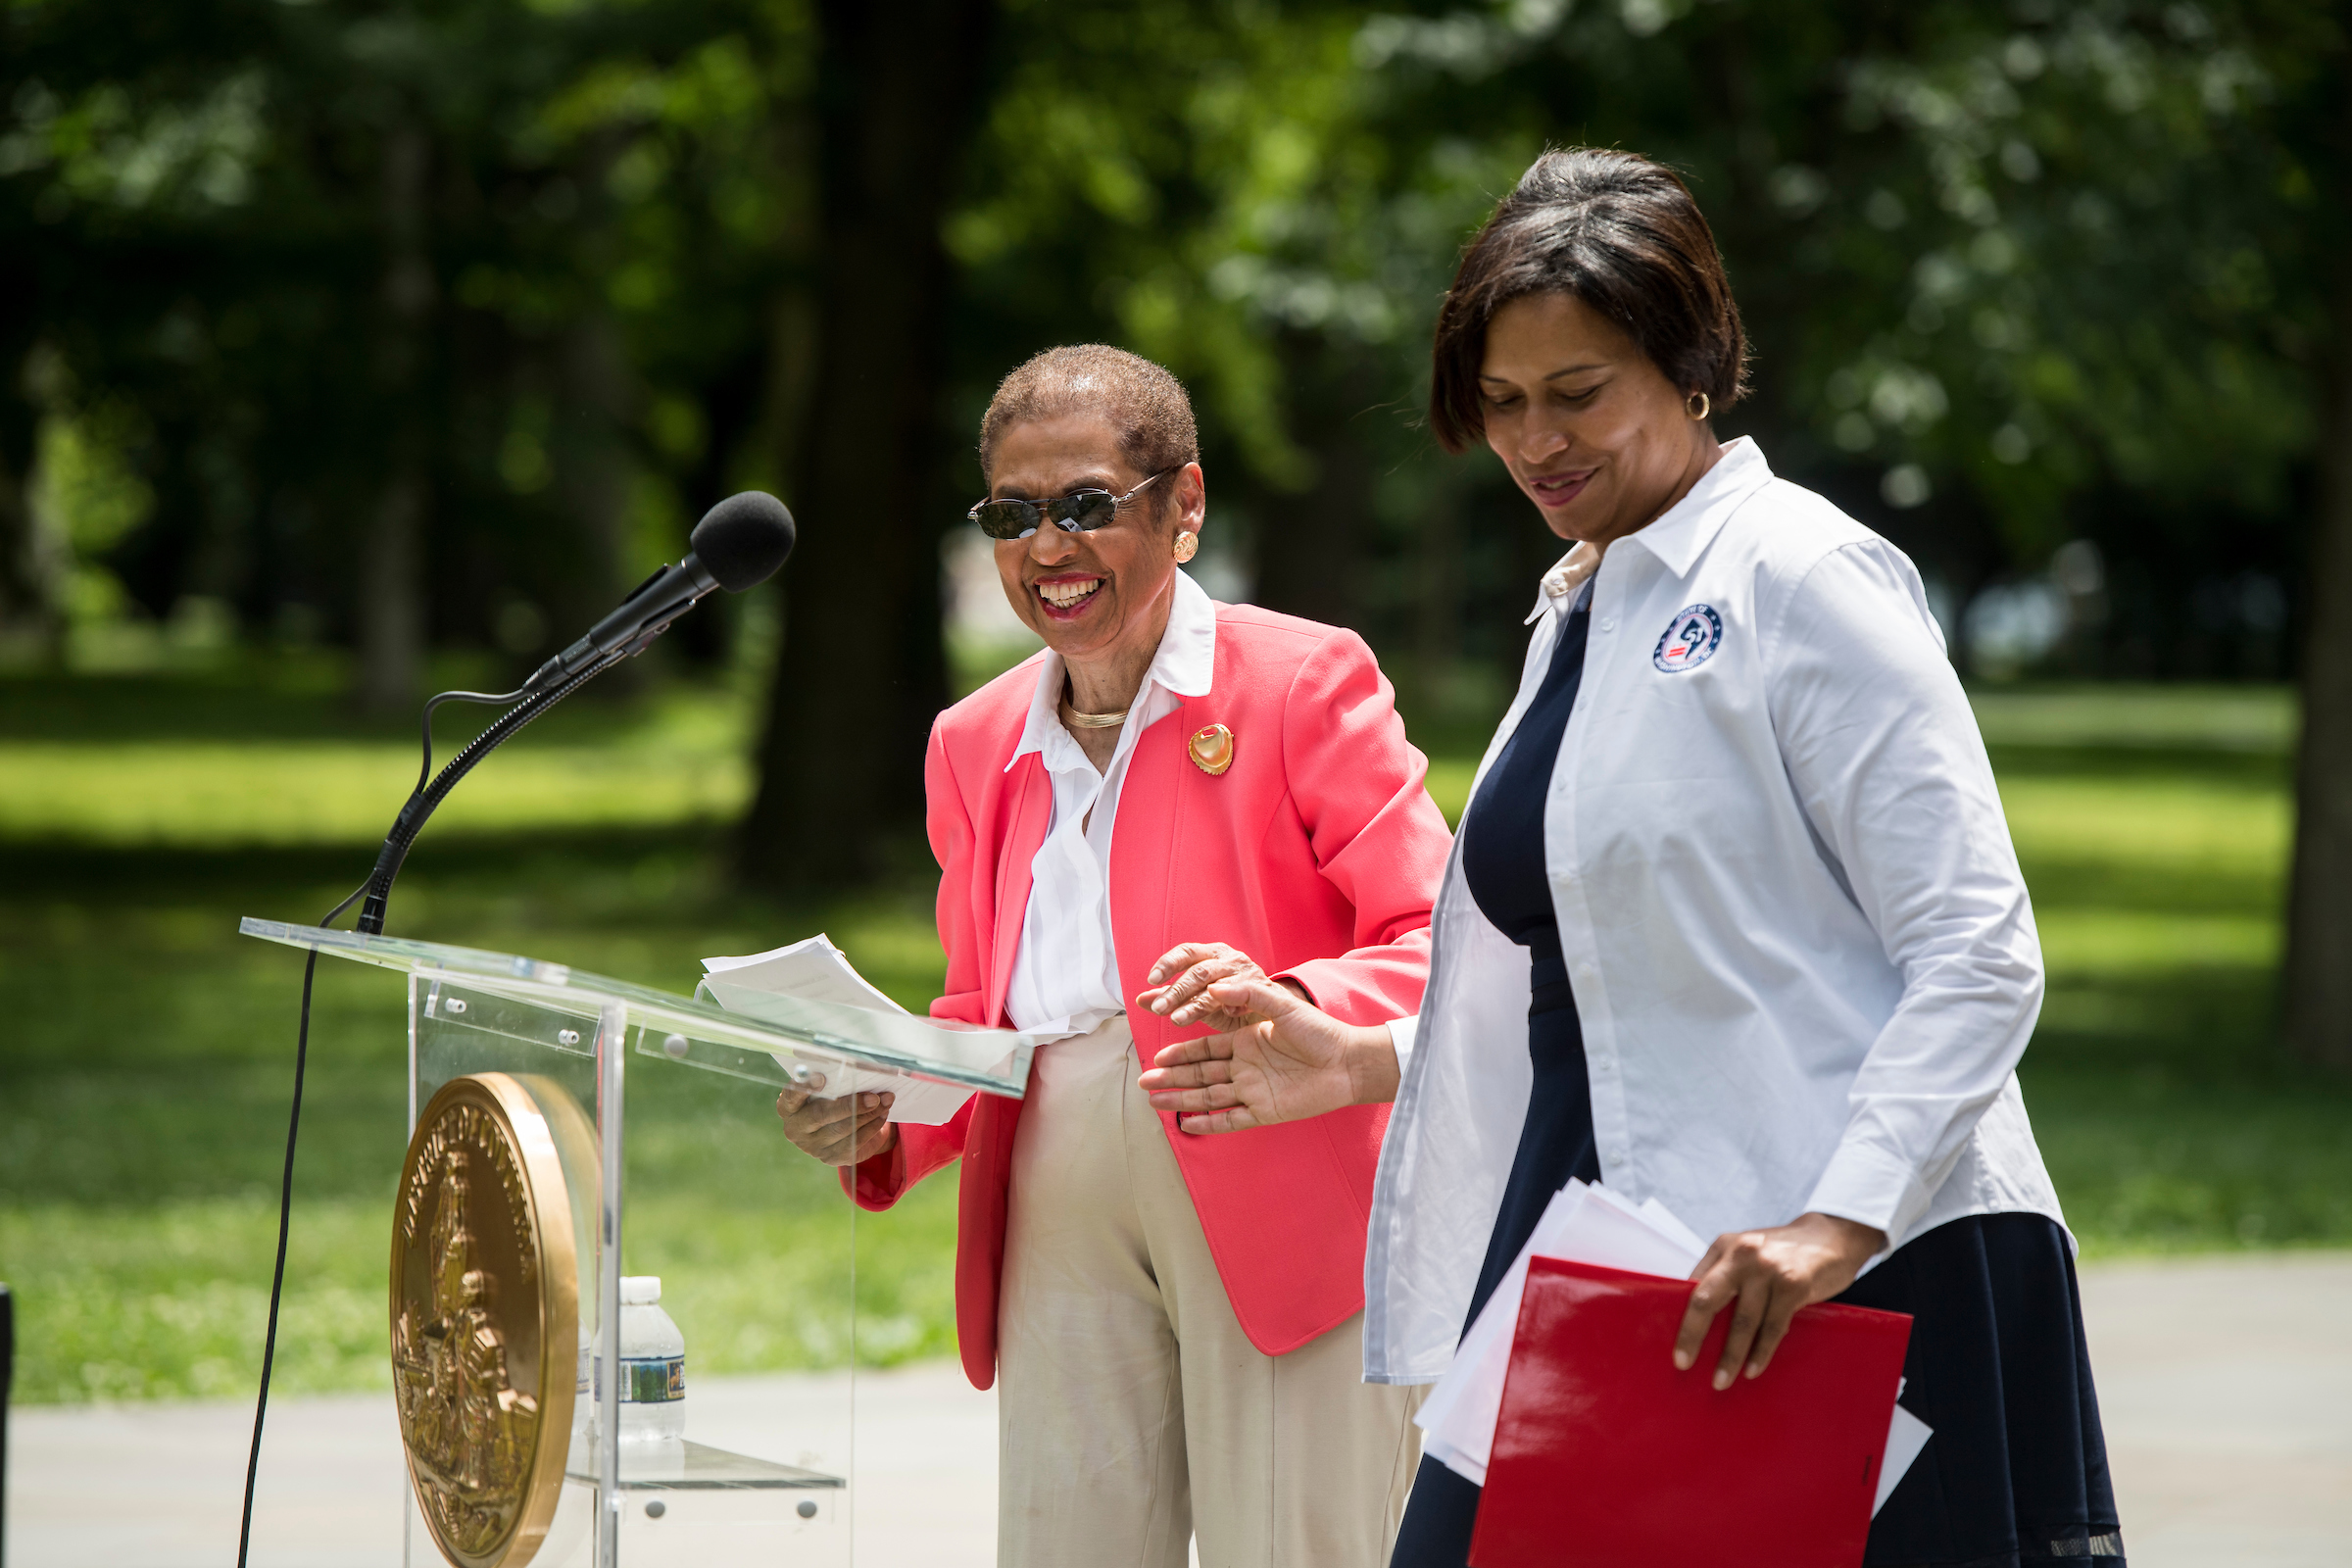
{"x": 739, "y": 544}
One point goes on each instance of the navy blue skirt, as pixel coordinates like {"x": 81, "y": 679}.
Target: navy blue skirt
{"x": 2016, "y": 1473}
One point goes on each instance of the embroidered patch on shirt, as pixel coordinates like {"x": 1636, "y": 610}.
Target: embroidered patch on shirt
{"x": 1691, "y": 639}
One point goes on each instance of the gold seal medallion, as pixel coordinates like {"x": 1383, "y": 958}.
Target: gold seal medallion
{"x": 1212, "y": 750}
{"x": 485, "y": 1314}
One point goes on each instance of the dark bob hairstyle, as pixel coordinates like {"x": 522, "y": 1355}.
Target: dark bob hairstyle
{"x": 1622, "y": 234}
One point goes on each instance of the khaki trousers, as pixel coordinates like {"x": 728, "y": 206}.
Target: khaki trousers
{"x": 1133, "y": 1413}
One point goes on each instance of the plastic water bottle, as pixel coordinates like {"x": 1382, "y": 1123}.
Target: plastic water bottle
{"x": 653, "y": 1365}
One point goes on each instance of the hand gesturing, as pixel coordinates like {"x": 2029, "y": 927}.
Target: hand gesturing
{"x": 1286, "y": 1059}
{"x": 1181, "y": 979}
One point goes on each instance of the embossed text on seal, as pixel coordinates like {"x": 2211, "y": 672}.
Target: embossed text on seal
{"x": 485, "y": 1315}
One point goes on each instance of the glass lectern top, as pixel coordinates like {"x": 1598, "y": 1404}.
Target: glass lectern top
{"x": 701, "y": 1033}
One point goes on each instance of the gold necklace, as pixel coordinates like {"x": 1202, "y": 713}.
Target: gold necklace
{"x": 1071, "y": 715}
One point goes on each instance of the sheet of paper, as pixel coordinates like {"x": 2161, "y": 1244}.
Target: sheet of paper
{"x": 1906, "y": 1434}
{"x": 1440, "y": 1417}
{"x": 816, "y": 970}
{"x": 1583, "y": 1225}
{"x": 1662, "y": 1219}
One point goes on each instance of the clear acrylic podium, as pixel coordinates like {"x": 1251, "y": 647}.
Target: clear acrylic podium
{"x": 660, "y": 1113}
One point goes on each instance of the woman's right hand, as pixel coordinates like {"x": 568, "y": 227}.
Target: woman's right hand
{"x": 1296, "y": 1061}
{"x": 848, "y": 1131}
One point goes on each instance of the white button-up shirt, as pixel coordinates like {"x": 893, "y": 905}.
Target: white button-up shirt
{"x": 1065, "y": 975}
{"x": 1801, "y": 950}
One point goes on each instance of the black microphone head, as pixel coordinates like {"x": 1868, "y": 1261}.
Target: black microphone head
{"x": 744, "y": 539}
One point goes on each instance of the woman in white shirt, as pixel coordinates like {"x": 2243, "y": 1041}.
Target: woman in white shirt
{"x": 1737, "y": 858}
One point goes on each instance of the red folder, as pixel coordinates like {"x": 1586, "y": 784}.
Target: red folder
{"x": 1605, "y": 1455}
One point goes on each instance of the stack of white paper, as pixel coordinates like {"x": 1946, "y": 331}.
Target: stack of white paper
{"x": 816, "y": 970}
{"x": 1581, "y": 1224}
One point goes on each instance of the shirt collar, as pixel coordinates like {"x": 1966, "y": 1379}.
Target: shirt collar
{"x": 1681, "y": 532}
{"x": 1560, "y": 584}
{"x": 1692, "y": 523}
{"x": 1187, "y": 660}
{"x": 1184, "y": 666}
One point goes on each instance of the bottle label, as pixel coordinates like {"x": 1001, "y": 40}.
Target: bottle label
{"x": 653, "y": 1380}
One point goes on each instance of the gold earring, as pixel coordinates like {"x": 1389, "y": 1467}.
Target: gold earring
{"x": 1696, "y": 406}
{"x": 1187, "y": 545}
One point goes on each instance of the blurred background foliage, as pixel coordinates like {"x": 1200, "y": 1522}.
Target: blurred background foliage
{"x": 387, "y": 329}
{"x": 354, "y": 349}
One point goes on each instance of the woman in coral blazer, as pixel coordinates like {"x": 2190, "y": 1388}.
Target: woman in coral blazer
{"x": 1173, "y": 1318}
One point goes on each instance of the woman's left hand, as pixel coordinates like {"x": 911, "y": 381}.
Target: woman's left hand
{"x": 1764, "y": 1277}
{"x": 1181, "y": 979}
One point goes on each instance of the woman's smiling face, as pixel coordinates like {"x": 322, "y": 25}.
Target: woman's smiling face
{"x": 1089, "y": 594}
{"x": 1591, "y": 429}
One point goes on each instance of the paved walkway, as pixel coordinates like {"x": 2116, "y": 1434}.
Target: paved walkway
{"x": 2226, "y": 1386}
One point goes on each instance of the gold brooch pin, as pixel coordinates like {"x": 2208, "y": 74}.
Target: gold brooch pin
{"x": 1212, "y": 750}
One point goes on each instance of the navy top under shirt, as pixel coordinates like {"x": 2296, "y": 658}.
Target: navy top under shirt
{"x": 1502, "y": 832}
{"x": 1503, "y": 865}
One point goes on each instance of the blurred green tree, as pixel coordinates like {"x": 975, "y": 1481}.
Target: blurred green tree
{"x": 1996, "y": 260}
{"x": 439, "y": 319}
{"x": 382, "y": 284}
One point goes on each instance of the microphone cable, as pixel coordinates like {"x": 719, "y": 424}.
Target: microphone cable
{"x": 427, "y": 797}
{"x": 429, "y": 794}
{"x": 285, "y": 1215}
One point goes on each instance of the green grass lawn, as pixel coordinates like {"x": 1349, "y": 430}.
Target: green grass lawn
{"x": 145, "y": 1060}
{"x": 148, "y": 1054}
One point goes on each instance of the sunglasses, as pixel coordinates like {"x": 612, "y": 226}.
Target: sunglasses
{"x": 1079, "y": 511}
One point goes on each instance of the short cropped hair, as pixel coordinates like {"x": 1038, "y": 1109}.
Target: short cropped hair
{"x": 1619, "y": 232}
{"x": 1143, "y": 404}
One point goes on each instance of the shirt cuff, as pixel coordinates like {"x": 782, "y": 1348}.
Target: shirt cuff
{"x": 1870, "y": 1187}
{"x": 1401, "y": 1033}
{"x": 880, "y": 1181}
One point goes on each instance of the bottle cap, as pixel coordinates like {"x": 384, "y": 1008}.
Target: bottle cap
{"x": 640, "y": 1290}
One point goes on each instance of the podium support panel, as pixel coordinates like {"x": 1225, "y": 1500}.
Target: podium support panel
{"x": 568, "y": 1129}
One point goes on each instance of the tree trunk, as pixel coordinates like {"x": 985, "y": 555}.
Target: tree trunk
{"x": 2319, "y": 920}
{"x": 29, "y": 619}
{"x": 860, "y": 672}
{"x": 391, "y": 619}
{"x": 592, "y": 463}
{"x": 595, "y": 395}
{"x": 2319, "y": 931}
{"x": 1312, "y": 544}
{"x": 1437, "y": 599}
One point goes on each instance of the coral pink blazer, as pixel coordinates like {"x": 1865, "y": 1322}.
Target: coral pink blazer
{"x": 1318, "y": 852}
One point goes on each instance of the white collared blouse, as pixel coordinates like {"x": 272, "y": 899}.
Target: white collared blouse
{"x": 1065, "y": 975}
{"x": 1803, "y": 953}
